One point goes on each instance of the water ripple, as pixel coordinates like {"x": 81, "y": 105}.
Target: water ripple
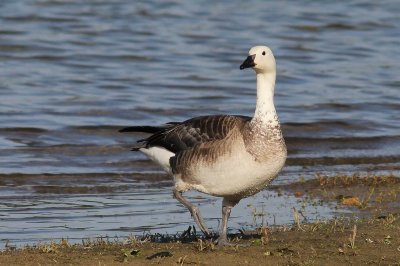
{"x": 74, "y": 72}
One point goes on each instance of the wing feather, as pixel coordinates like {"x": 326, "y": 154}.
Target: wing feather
{"x": 187, "y": 134}
{"x": 198, "y": 137}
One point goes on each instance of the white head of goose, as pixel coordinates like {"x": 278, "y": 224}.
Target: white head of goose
{"x": 222, "y": 155}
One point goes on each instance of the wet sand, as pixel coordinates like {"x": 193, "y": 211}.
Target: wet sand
{"x": 372, "y": 239}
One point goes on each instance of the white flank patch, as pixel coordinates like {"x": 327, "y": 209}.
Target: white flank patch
{"x": 159, "y": 155}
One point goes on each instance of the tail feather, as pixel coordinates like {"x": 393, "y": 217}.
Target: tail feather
{"x": 138, "y": 146}
{"x": 154, "y": 130}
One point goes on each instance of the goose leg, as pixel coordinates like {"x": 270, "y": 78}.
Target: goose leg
{"x": 194, "y": 210}
{"x": 227, "y": 206}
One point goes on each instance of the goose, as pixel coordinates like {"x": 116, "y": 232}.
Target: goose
{"x": 228, "y": 156}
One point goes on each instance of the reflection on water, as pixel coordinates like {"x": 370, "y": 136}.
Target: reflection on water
{"x": 73, "y": 73}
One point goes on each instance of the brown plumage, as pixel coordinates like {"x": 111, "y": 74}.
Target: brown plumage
{"x": 227, "y": 156}
{"x": 179, "y": 136}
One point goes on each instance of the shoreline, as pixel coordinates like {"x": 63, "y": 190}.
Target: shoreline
{"x": 335, "y": 242}
{"x": 372, "y": 236}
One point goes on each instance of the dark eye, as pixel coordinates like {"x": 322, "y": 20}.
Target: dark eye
{"x": 263, "y": 53}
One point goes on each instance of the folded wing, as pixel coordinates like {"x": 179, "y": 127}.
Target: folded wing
{"x": 177, "y": 137}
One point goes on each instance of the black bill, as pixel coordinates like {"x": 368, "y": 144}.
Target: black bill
{"x": 249, "y": 62}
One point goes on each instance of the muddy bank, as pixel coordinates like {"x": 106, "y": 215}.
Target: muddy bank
{"x": 363, "y": 195}
{"x": 338, "y": 242}
{"x": 372, "y": 239}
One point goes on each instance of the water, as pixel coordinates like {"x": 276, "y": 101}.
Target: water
{"x": 72, "y": 73}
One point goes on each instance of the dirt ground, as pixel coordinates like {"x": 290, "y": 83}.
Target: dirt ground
{"x": 373, "y": 239}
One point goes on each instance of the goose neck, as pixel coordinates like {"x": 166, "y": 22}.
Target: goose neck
{"x": 265, "y": 109}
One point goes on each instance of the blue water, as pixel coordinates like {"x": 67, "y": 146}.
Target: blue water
{"x": 73, "y": 72}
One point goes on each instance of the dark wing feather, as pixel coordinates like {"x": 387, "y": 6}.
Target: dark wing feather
{"x": 177, "y": 137}
{"x": 146, "y": 129}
